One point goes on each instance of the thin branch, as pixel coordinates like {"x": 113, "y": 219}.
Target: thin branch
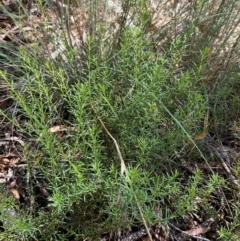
{"x": 190, "y": 235}
{"x": 123, "y": 166}
{"x": 124, "y": 170}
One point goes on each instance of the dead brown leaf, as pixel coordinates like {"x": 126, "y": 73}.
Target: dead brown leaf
{"x": 15, "y": 193}
{"x": 4, "y": 161}
{"x": 61, "y": 128}
{"x": 197, "y": 231}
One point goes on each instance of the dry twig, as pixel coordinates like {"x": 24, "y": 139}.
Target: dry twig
{"x": 186, "y": 233}
{"x": 124, "y": 170}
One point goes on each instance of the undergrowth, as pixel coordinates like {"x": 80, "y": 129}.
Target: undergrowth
{"x": 152, "y": 97}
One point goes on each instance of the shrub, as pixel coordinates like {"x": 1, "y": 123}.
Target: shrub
{"x": 152, "y": 95}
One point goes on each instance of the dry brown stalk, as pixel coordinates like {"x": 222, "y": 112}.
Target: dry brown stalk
{"x": 124, "y": 170}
